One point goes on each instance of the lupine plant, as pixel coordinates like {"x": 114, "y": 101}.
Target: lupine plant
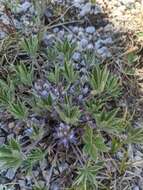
{"x": 69, "y": 125}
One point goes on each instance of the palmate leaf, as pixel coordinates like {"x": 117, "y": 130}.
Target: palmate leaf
{"x": 102, "y": 81}
{"x": 66, "y": 48}
{"x": 37, "y": 132}
{"x": 93, "y": 144}
{"x": 90, "y": 58}
{"x": 24, "y": 74}
{"x": 6, "y": 92}
{"x": 108, "y": 122}
{"x": 52, "y": 54}
{"x": 5, "y": 97}
{"x": 86, "y": 178}
{"x": 89, "y": 145}
{"x": 69, "y": 73}
{"x": 33, "y": 158}
{"x": 98, "y": 79}
{"x": 135, "y": 135}
{"x": 54, "y": 76}
{"x": 30, "y": 45}
{"x": 43, "y": 103}
{"x": 69, "y": 114}
{"x": 10, "y": 155}
{"x": 112, "y": 86}
{"x": 18, "y": 110}
{"x": 94, "y": 105}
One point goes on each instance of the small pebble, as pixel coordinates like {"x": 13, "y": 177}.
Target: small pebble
{"x": 24, "y": 7}
{"x": 85, "y": 9}
{"x": 104, "y": 52}
{"x": 136, "y": 188}
{"x": 2, "y": 35}
{"x": 98, "y": 44}
{"x": 108, "y": 41}
{"x": 61, "y": 34}
{"x": 10, "y": 174}
{"x": 85, "y": 90}
{"x": 90, "y": 29}
{"x": 75, "y": 29}
{"x": 90, "y": 47}
{"x": 56, "y": 30}
{"x": 11, "y": 125}
{"x": 76, "y": 56}
{"x": 78, "y": 3}
{"x": 21, "y": 183}
{"x": 81, "y": 34}
{"x": 83, "y": 43}
{"x": 44, "y": 93}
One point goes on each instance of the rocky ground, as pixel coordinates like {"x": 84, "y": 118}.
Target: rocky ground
{"x": 109, "y": 29}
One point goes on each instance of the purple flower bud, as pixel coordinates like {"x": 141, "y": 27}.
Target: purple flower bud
{"x": 65, "y": 135}
{"x": 44, "y": 94}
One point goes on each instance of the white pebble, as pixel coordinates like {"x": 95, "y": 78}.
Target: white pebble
{"x": 78, "y": 3}
{"x": 56, "y": 30}
{"x": 81, "y": 34}
{"x": 85, "y": 9}
{"x": 76, "y": 56}
{"x": 81, "y": 29}
{"x": 75, "y": 29}
{"x": 2, "y": 35}
{"x": 83, "y": 43}
{"x": 61, "y": 34}
{"x": 98, "y": 44}
{"x": 104, "y": 52}
{"x": 136, "y": 188}
{"x": 108, "y": 41}
{"x": 90, "y": 46}
{"x": 90, "y": 29}
{"x": 24, "y": 7}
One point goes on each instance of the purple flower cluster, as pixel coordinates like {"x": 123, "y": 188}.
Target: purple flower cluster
{"x": 65, "y": 135}
{"x": 43, "y": 89}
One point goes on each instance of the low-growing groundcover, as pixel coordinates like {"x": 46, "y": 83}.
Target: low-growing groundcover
{"x": 64, "y": 120}
{"x": 68, "y": 119}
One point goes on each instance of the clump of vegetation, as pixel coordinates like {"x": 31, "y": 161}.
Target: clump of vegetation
{"x": 64, "y": 115}
{"x": 66, "y": 118}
